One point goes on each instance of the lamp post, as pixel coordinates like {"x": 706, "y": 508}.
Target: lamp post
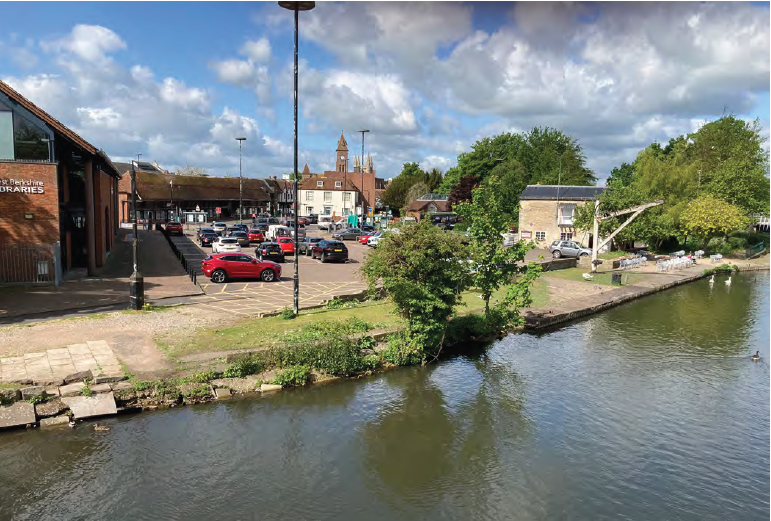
{"x": 296, "y": 7}
{"x": 240, "y": 182}
{"x": 136, "y": 281}
{"x": 171, "y": 196}
{"x": 361, "y": 169}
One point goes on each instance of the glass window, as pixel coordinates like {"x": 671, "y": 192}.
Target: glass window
{"x": 6, "y": 134}
{"x": 30, "y": 142}
{"x": 327, "y": 197}
{"x": 327, "y": 210}
{"x": 309, "y": 195}
{"x": 338, "y": 184}
{"x": 566, "y": 236}
{"x": 346, "y": 196}
{"x": 540, "y": 236}
{"x": 320, "y": 183}
{"x": 567, "y": 212}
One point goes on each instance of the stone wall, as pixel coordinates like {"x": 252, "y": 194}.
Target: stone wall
{"x": 541, "y": 216}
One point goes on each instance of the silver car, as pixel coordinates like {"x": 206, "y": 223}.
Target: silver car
{"x": 219, "y": 228}
{"x": 568, "y": 249}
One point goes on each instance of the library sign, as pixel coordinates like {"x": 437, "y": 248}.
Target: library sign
{"x": 21, "y": 186}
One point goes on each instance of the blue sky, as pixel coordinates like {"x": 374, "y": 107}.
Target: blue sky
{"x": 178, "y": 81}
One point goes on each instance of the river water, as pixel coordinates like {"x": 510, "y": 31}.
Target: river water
{"x": 648, "y": 411}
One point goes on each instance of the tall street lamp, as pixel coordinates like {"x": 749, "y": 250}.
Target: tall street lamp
{"x": 240, "y": 182}
{"x": 171, "y": 197}
{"x": 361, "y": 169}
{"x": 296, "y": 7}
{"x": 136, "y": 281}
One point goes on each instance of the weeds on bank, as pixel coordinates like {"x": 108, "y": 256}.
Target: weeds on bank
{"x": 294, "y": 375}
{"x": 725, "y": 268}
{"x": 287, "y": 313}
{"x": 338, "y": 303}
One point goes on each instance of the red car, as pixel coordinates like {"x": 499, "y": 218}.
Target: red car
{"x": 256, "y": 235}
{"x": 363, "y": 238}
{"x": 221, "y": 267}
{"x": 174, "y": 228}
{"x": 286, "y": 244}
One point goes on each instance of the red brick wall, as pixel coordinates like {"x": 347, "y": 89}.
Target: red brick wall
{"x": 43, "y": 228}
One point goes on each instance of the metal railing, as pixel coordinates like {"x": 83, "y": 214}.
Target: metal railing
{"x": 188, "y": 266}
{"x": 27, "y": 263}
{"x": 754, "y": 250}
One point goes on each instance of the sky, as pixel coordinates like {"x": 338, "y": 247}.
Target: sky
{"x": 179, "y": 81}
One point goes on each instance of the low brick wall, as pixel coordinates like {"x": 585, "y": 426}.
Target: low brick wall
{"x": 558, "y": 264}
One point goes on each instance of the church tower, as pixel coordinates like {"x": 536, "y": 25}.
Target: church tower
{"x": 341, "y": 161}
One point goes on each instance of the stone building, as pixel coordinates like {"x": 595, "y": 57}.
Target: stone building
{"x": 547, "y": 211}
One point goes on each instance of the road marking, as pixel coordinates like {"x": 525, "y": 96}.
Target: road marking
{"x": 244, "y": 288}
{"x": 224, "y": 288}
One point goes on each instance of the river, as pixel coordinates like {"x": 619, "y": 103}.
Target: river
{"x": 648, "y": 411}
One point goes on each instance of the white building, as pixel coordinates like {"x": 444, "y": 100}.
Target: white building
{"x": 326, "y": 196}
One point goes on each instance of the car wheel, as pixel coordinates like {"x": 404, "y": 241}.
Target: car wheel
{"x": 323, "y": 258}
{"x": 584, "y": 255}
{"x": 219, "y": 276}
{"x": 556, "y": 254}
{"x": 268, "y": 275}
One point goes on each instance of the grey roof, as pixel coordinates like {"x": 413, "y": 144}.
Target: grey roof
{"x": 123, "y": 167}
{"x": 563, "y": 193}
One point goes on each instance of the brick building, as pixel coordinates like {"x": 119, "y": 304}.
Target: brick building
{"x": 58, "y": 196}
{"x": 546, "y": 212}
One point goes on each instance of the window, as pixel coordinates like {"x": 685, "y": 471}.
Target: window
{"x": 327, "y": 210}
{"x": 566, "y": 236}
{"x": 327, "y": 197}
{"x": 320, "y": 184}
{"x": 347, "y": 196}
{"x": 309, "y": 195}
{"x": 22, "y": 136}
{"x": 338, "y": 184}
{"x": 567, "y": 212}
{"x": 308, "y": 210}
{"x": 540, "y": 236}
{"x": 6, "y": 134}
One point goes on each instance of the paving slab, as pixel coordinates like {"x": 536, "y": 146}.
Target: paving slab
{"x": 52, "y": 391}
{"x": 55, "y": 421}
{"x": 10, "y": 395}
{"x": 79, "y": 349}
{"x": 91, "y": 406}
{"x": 29, "y": 392}
{"x": 109, "y": 378}
{"x": 17, "y": 414}
{"x": 119, "y": 386}
{"x": 101, "y": 388}
{"x": 78, "y": 376}
{"x": 50, "y": 408}
{"x": 222, "y": 392}
{"x": 73, "y": 389}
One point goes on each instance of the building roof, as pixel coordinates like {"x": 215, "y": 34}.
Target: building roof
{"x": 420, "y": 205}
{"x": 154, "y": 186}
{"x": 57, "y": 126}
{"x": 311, "y": 183}
{"x": 341, "y": 144}
{"x": 563, "y": 193}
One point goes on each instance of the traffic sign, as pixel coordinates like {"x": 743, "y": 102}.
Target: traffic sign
{"x": 197, "y": 208}
{"x": 218, "y": 210}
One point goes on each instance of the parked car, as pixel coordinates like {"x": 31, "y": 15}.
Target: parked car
{"x": 330, "y": 250}
{"x": 287, "y": 245}
{"x": 256, "y": 235}
{"x": 313, "y": 219}
{"x": 222, "y": 267}
{"x": 242, "y": 238}
{"x": 174, "y": 229}
{"x": 202, "y": 231}
{"x": 372, "y": 241}
{"x": 364, "y": 238}
{"x": 324, "y": 222}
{"x": 242, "y": 226}
{"x": 272, "y": 220}
{"x": 219, "y": 227}
{"x": 366, "y": 228}
{"x": 208, "y": 238}
{"x": 349, "y": 234}
{"x": 304, "y": 221}
{"x": 276, "y": 230}
{"x": 568, "y": 249}
{"x": 225, "y": 244}
{"x": 306, "y": 245}
{"x": 269, "y": 250}
{"x": 230, "y": 230}
{"x": 300, "y": 232}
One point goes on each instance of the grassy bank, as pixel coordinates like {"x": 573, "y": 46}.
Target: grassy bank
{"x": 601, "y": 278}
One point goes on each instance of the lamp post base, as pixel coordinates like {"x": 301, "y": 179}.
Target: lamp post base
{"x": 136, "y": 291}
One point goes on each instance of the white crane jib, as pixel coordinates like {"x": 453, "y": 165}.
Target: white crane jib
{"x": 634, "y": 210}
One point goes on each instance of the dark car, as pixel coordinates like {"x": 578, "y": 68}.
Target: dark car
{"x": 367, "y": 228}
{"x": 313, "y": 219}
{"x": 220, "y": 267}
{"x": 304, "y": 221}
{"x": 351, "y": 234}
{"x": 174, "y": 228}
{"x": 243, "y": 227}
{"x": 269, "y": 251}
{"x": 306, "y": 245}
{"x": 241, "y": 237}
{"x": 330, "y": 250}
{"x": 207, "y": 238}
{"x": 201, "y": 231}
{"x": 230, "y": 230}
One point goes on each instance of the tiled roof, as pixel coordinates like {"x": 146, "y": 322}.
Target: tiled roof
{"x": 155, "y": 187}
{"x": 311, "y": 183}
{"x": 563, "y": 193}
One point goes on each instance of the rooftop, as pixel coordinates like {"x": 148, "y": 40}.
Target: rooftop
{"x": 563, "y": 193}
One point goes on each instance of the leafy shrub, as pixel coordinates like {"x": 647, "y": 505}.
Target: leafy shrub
{"x": 242, "y": 367}
{"x": 294, "y": 375}
{"x": 371, "y": 362}
{"x": 287, "y": 313}
{"x": 725, "y": 268}
{"x": 204, "y": 377}
{"x": 338, "y": 303}
{"x": 40, "y": 398}
{"x": 326, "y": 329}
{"x": 367, "y": 342}
{"x": 465, "y": 327}
{"x": 338, "y": 356}
{"x": 202, "y": 391}
{"x": 402, "y": 352}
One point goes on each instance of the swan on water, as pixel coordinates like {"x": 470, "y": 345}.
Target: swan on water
{"x": 728, "y": 282}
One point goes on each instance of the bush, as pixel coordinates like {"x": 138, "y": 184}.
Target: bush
{"x": 367, "y": 342}
{"x": 202, "y": 391}
{"x": 287, "y": 313}
{"x": 401, "y": 352}
{"x": 338, "y": 356}
{"x": 464, "y": 328}
{"x": 371, "y": 362}
{"x": 243, "y": 367}
{"x": 294, "y": 375}
{"x": 204, "y": 377}
{"x": 338, "y": 303}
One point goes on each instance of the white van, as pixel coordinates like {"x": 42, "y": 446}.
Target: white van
{"x": 324, "y": 222}
{"x": 276, "y": 230}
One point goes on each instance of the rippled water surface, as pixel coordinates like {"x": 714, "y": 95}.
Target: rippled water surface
{"x": 649, "y": 411}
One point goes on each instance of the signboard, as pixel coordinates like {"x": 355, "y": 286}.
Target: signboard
{"x": 218, "y": 210}
{"x": 526, "y": 235}
{"x": 21, "y": 186}
{"x": 197, "y": 208}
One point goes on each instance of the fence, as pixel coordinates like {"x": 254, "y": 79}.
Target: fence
{"x": 36, "y": 263}
{"x": 189, "y": 268}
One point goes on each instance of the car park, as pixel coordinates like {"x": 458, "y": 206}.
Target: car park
{"x": 256, "y": 235}
{"x": 568, "y": 249}
{"x": 225, "y": 244}
{"x": 351, "y": 234}
{"x": 287, "y": 245}
{"x": 276, "y": 230}
{"x": 241, "y": 237}
{"x": 306, "y": 245}
{"x": 219, "y": 227}
{"x": 269, "y": 251}
{"x": 330, "y": 250}
{"x": 364, "y": 238}
{"x": 208, "y": 238}
{"x": 174, "y": 229}
{"x": 223, "y": 267}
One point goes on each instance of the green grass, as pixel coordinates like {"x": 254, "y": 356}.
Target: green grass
{"x": 601, "y": 278}
{"x": 613, "y": 255}
{"x": 474, "y": 304}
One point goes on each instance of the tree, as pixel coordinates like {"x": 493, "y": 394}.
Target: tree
{"x": 195, "y": 171}
{"x": 434, "y": 179}
{"x": 417, "y": 190}
{"x": 422, "y": 269}
{"x": 395, "y": 196}
{"x": 494, "y": 264}
{"x": 709, "y": 217}
{"x": 620, "y": 176}
{"x": 463, "y": 192}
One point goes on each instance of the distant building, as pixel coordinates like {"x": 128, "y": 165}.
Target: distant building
{"x": 322, "y": 195}
{"x": 547, "y": 212}
{"x": 429, "y": 203}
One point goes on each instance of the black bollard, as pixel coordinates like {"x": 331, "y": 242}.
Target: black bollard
{"x": 136, "y": 291}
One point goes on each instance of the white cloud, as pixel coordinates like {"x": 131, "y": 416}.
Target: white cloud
{"x": 91, "y": 43}
{"x": 257, "y": 51}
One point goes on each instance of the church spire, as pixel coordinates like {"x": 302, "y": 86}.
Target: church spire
{"x": 341, "y": 143}
{"x": 306, "y": 170}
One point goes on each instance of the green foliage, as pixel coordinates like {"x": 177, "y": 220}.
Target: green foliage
{"x": 242, "y": 367}
{"x": 367, "y": 342}
{"x": 620, "y": 176}
{"x": 371, "y": 362}
{"x": 201, "y": 391}
{"x": 334, "y": 355}
{"x": 40, "y": 398}
{"x": 395, "y": 196}
{"x": 287, "y": 313}
{"x": 434, "y": 179}
{"x": 463, "y": 191}
{"x": 86, "y": 391}
{"x": 204, "y": 377}
{"x": 327, "y": 328}
{"x": 423, "y": 271}
{"x": 294, "y": 375}
{"x": 401, "y": 351}
{"x": 142, "y": 385}
{"x": 338, "y": 303}
{"x": 725, "y": 268}
{"x": 467, "y": 327}
{"x": 708, "y": 216}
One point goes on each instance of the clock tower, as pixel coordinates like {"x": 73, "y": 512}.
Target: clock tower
{"x": 341, "y": 161}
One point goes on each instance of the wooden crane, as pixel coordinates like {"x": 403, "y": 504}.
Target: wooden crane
{"x": 634, "y": 210}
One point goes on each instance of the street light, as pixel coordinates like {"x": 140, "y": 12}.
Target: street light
{"x": 296, "y": 7}
{"x": 240, "y": 182}
{"x": 361, "y": 169}
{"x": 171, "y": 197}
{"x": 136, "y": 281}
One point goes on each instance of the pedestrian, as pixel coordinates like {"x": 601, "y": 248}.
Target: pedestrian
{"x": 144, "y": 224}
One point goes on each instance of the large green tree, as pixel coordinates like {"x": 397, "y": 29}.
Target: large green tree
{"x": 708, "y": 217}
{"x": 395, "y": 195}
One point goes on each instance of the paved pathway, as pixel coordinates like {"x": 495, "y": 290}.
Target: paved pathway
{"x": 58, "y": 364}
